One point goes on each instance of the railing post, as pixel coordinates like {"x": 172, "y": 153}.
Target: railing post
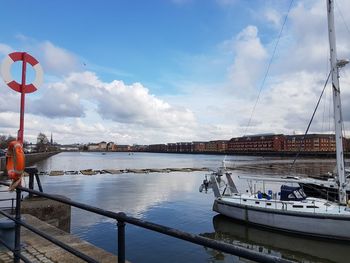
{"x": 31, "y": 184}
{"x": 17, "y": 249}
{"x": 12, "y": 205}
{"x": 121, "y": 240}
{"x": 38, "y": 182}
{"x": 33, "y": 171}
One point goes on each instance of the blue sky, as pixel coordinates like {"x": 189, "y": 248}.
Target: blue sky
{"x": 167, "y": 70}
{"x": 142, "y": 40}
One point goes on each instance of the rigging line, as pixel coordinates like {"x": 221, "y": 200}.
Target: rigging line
{"x": 342, "y": 17}
{"x": 308, "y": 126}
{"x": 346, "y": 125}
{"x": 329, "y": 111}
{"x": 268, "y": 67}
{"x": 324, "y": 117}
{"x": 324, "y": 112}
{"x": 343, "y": 126}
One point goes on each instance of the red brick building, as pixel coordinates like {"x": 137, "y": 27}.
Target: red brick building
{"x": 172, "y": 147}
{"x": 311, "y": 143}
{"x": 199, "y": 146}
{"x": 257, "y": 143}
{"x": 217, "y": 146}
{"x": 184, "y": 147}
{"x": 157, "y": 148}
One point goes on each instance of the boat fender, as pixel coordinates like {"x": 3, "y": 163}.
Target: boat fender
{"x": 15, "y": 163}
{"x": 201, "y": 188}
{"x": 260, "y": 195}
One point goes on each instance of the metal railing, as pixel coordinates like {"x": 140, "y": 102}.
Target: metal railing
{"x": 121, "y": 219}
{"x": 12, "y": 206}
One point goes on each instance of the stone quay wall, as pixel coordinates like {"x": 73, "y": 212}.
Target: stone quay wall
{"x": 31, "y": 158}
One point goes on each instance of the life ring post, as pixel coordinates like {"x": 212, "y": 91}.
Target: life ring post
{"x": 20, "y": 135}
{"x": 22, "y": 87}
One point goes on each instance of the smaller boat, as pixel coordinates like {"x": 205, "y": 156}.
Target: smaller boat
{"x": 325, "y": 186}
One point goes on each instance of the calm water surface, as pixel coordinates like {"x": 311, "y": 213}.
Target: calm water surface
{"x": 171, "y": 199}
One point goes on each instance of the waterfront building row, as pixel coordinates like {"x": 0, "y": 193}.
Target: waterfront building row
{"x": 284, "y": 143}
{"x": 110, "y": 146}
{"x": 256, "y": 144}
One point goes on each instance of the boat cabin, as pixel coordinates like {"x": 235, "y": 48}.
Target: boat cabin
{"x": 290, "y": 193}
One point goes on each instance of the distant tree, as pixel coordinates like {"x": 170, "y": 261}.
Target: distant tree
{"x": 4, "y": 141}
{"x": 42, "y": 143}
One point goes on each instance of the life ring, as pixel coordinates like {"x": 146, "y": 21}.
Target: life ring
{"x": 15, "y": 160}
{"x": 7, "y": 76}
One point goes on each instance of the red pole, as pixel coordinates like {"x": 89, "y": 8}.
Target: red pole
{"x": 23, "y": 85}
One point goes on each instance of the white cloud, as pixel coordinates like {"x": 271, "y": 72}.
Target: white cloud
{"x": 104, "y": 111}
{"x": 5, "y": 49}
{"x": 9, "y": 99}
{"x": 57, "y": 60}
{"x": 57, "y": 101}
{"x": 123, "y": 103}
{"x": 248, "y": 64}
{"x": 274, "y": 17}
{"x": 134, "y": 104}
{"x": 9, "y": 120}
{"x": 131, "y": 113}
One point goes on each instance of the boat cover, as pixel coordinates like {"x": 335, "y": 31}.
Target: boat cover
{"x": 290, "y": 193}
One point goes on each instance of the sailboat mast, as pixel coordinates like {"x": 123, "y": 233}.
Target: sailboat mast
{"x": 338, "y": 122}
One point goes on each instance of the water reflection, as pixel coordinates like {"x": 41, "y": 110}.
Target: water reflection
{"x": 289, "y": 246}
{"x": 172, "y": 199}
{"x": 121, "y": 160}
{"x": 133, "y": 194}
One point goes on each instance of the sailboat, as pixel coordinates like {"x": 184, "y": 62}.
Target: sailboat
{"x": 289, "y": 209}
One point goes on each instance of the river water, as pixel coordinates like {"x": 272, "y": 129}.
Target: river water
{"x": 172, "y": 199}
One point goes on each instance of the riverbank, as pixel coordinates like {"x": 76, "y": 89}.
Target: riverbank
{"x": 267, "y": 154}
{"x": 241, "y": 153}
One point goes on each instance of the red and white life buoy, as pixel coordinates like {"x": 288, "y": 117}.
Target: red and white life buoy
{"x": 7, "y": 76}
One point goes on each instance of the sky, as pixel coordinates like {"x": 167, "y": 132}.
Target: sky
{"x": 161, "y": 71}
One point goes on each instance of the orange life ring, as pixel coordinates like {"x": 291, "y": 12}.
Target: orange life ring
{"x": 15, "y": 160}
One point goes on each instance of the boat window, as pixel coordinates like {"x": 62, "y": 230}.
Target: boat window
{"x": 297, "y": 194}
{"x": 298, "y": 206}
{"x": 245, "y": 200}
{"x": 292, "y": 193}
{"x": 311, "y": 206}
{"x": 268, "y": 203}
{"x": 301, "y": 191}
{"x": 257, "y": 202}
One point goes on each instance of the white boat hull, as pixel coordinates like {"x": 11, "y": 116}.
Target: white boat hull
{"x": 326, "y": 226}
